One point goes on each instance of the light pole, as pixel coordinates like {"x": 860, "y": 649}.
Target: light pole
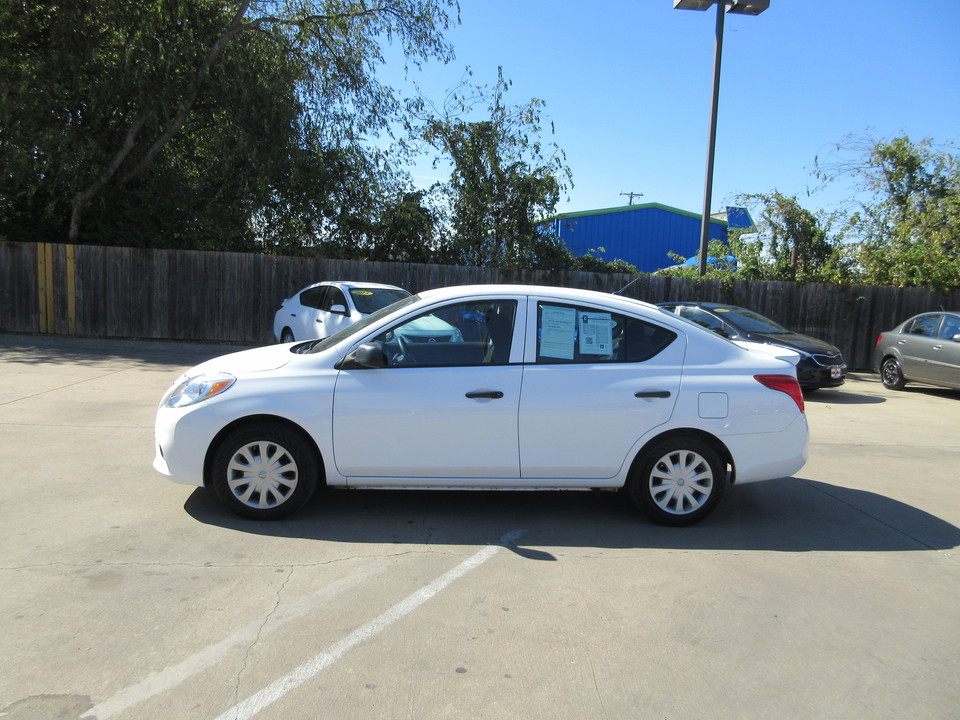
{"x": 743, "y": 7}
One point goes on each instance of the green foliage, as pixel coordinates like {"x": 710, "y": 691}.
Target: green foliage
{"x": 909, "y": 224}
{"x": 794, "y": 243}
{"x": 233, "y": 125}
{"x": 590, "y": 263}
{"x": 722, "y": 269}
{"x": 503, "y": 182}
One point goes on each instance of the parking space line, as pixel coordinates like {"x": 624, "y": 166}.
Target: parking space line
{"x": 171, "y": 676}
{"x": 312, "y": 667}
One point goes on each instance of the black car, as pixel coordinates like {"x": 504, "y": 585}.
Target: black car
{"x": 821, "y": 364}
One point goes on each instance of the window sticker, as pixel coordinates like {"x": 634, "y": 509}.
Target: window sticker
{"x": 361, "y": 292}
{"x": 557, "y": 331}
{"x": 596, "y": 333}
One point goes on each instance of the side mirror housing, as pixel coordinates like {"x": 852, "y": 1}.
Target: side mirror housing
{"x": 367, "y": 356}
{"x": 338, "y": 309}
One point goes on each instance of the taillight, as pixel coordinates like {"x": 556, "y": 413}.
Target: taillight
{"x": 784, "y": 383}
{"x": 879, "y": 338}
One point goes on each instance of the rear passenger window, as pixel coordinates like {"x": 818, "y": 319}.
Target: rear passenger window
{"x": 313, "y": 297}
{"x": 578, "y": 334}
{"x": 925, "y": 325}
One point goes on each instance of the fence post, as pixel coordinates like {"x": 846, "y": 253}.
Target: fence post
{"x": 47, "y": 317}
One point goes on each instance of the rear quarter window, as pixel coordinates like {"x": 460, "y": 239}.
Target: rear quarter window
{"x": 579, "y": 334}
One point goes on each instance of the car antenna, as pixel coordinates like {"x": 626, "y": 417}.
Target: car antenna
{"x": 620, "y": 291}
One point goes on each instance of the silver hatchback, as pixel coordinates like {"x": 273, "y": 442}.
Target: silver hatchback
{"x": 924, "y": 349}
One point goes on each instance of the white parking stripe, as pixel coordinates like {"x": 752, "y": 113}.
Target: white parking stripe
{"x": 294, "y": 679}
{"x": 168, "y": 678}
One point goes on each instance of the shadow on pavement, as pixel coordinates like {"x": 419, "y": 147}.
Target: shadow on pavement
{"x": 840, "y": 397}
{"x": 36, "y": 349}
{"x": 786, "y": 515}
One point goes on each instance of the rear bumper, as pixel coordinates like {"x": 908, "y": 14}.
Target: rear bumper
{"x": 768, "y": 456}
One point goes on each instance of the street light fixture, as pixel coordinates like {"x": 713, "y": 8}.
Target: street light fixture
{"x": 741, "y": 7}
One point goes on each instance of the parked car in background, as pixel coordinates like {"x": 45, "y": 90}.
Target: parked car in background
{"x": 925, "y": 349}
{"x": 821, "y": 365}
{"x": 324, "y": 308}
{"x": 615, "y": 394}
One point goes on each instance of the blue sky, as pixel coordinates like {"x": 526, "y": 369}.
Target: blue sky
{"x": 627, "y": 86}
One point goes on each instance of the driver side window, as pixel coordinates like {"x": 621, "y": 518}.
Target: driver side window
{"x": 460, "y": 334}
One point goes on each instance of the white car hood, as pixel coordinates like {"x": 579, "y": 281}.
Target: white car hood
{"x": 781, "y": 353}
{"x": 269, "y": 357}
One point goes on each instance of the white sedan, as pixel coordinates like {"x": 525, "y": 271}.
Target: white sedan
{"x": 539, "y": 388}
{"x": 324, "y": 308}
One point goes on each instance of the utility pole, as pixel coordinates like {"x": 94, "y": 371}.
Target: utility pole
{"x": 632, "y": 195}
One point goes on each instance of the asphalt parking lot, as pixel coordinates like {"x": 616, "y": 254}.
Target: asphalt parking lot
{"x": 831, "y": 594}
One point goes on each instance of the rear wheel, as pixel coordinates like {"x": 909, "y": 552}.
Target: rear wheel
{"x": 679, "y": 481}
{"x": 891, "y": 375}
{"x": 264, "y": 472}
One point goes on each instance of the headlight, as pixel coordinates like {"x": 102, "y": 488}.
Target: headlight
{"x": 197, "y": 389}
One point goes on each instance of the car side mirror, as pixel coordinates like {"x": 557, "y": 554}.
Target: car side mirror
{"x": 956, "y": 338}
{"x": 338, "y": 309}
{"x": 367, "y": 356}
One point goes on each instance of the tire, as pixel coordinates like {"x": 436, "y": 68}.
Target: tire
{"x": 264, "y": 472}
{"x": 891, "y": 375}
{"x": 678, "y": 481}
{"x": 287, "y": 336}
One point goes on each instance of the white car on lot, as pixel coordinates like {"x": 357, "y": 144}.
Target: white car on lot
{"x": 324, "y": 308}
{"x": 539, "y": 388}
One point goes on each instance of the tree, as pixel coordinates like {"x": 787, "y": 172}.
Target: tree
{"x": 797, "y": 242}
{"x": 106, "y": 102}
{"x": 908, "y": 219}
{"x": 504, "y": 180}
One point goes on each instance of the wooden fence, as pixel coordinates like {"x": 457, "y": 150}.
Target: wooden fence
{"x": 218, "y": 297}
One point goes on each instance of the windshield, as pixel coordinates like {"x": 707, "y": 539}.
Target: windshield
{"x": 361, "y": 325}
{"x": 369, "y": 300}
{"x": 749, "y": 321}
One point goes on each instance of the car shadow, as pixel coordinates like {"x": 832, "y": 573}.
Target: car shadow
{"x": 931, "y": 390}
{"x": 786, "y": 515}
{"x": 841, "y": 397}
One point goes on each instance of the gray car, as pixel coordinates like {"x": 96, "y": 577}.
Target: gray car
{"x": 925, "y": 349}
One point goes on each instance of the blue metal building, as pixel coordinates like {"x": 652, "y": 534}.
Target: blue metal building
{"x": 641, "y": 235}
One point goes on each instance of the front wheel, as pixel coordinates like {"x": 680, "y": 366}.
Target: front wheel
{"x": 891, "y": 375}
{"x": 679, "y": 481}
{"x": 286, "y": 336}
{"x": 264, "y": 472}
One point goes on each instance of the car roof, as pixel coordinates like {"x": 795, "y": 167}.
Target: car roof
{"x": 558, "y": 293}
{"x": 353, "y": 284}
{"x": 704, "y": 305}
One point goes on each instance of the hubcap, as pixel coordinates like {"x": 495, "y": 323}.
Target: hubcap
{"x": 890, "y": 372}
{"x": 262, "y": 474}
{"x": 681, "y": 482}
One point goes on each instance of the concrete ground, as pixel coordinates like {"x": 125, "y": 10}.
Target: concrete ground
{"x": 832, "y": 594}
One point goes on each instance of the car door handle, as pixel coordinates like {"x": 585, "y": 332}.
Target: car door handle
{"x": 652, "y": 394}
{"x": 491, "y": 394}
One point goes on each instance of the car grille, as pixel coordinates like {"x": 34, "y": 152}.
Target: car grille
{"x": 828, "y": 359}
